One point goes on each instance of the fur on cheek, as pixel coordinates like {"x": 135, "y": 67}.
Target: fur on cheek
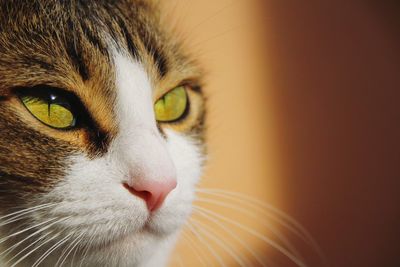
{"x": 116, "y": 222}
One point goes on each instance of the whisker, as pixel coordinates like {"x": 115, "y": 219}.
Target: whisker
{"x": 256, "y": 234}
{"x": 9, "y": 250}
{"x": 232, "y": 234}
{"x": 167, "y": 14}
{"x": 33, "y": 250}
{"x": 216, "y": 36}
{"x": 65, "y": 250}
{"x": 280, "y": 236}
{"x": 191, "y": 244}
{"x": 75, "y": 242}
{"x": 91, "y": 240}
{"x": 51, "y": 250}
{"x": 201, "y": 239}
{"x": 212, "y": 235}
{"x": 214, "y": 15}
{"x": 28, "y": 209}
{"x": 30, "y": 245}
{"x": 76, "y": 250}
{"x": 24, "y": 230}
{"x": 20, "y": 215}
{"x": 186, "y": 10}
{"x": 300, "y": 232}
{"x": 180, "y": 262}
{"x": 251, "y": 202}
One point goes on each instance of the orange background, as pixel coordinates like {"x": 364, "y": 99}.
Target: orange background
{"x": 303, "y": 114}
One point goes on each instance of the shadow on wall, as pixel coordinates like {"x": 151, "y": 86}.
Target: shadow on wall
{"x": 335, "y": 68}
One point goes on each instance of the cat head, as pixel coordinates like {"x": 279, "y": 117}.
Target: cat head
{"x": 101, "y": 131}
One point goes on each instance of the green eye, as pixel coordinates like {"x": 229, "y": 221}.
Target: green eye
{"x": 52, "y": 110}
{"x": 172, "y": 105}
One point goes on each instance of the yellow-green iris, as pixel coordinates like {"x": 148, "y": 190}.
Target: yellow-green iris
{"x": 50, "y": 111}
{"x": 172, "y": 105}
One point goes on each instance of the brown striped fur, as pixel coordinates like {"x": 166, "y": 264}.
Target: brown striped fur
{"x": 65, "y": 44}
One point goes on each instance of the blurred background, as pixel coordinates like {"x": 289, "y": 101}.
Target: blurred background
{"x": 303, "y": 115}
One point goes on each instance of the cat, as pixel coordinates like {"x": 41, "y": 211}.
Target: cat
{"x": 101, "y": 134}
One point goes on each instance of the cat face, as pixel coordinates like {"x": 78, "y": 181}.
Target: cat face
{"x": 101, "y": 133}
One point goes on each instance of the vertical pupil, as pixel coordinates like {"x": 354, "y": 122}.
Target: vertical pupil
{"x": 50, "y": 108}
{"x": 51, "y": 100}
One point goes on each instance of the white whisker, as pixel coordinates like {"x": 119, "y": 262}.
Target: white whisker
{"x": 24, "y": 230}
{"x": 201, "y": 239}
{"x": 74, "y": 242}
{"x": 256, "y": 216}
{"x": 76, "y": 250}
{"x": 258, "y": 235}
{"x": 51, "y": 250}
{"x": 33, "y": 250}
{"x": 64, "y": 251}
{"x": 195, "y": 249}
{"x": 232, "y": 234}
{"x": 294, "y": 226}
{"x": 213, "y": 236}
{"x": 180, "y": 262}
{"x": 212, "y": 16}
{"x": 16, "y": 216}
{"x": 88, "y": 245}
{"x": 7, "y": 251}
{"x": 218, "y": 35}
{"x": 30, "y": 245}
{"x": 27, "y": 209}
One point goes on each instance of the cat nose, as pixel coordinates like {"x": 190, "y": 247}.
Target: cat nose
{"x": 152, "y": 192}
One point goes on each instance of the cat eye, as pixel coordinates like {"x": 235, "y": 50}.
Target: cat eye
{"x": 50, "y": 108}
{"x": 172, "y": 105}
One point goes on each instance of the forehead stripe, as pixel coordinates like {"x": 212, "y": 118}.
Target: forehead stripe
{"x": 75, "y": 54}
{"x": 131, "y": 45}
{"x": 74, "y": 51}
{"x": 158, "y": 57}
{"x": 93, "y": 39}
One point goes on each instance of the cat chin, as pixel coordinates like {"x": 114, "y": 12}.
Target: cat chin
{"x": 131, "y": 251}
{"x": 143, "y": 249}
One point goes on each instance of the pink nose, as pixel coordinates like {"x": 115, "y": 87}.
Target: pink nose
{"x": 153, "y": 192}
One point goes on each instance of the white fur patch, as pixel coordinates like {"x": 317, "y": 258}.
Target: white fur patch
{"x": 118, "y": 224}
